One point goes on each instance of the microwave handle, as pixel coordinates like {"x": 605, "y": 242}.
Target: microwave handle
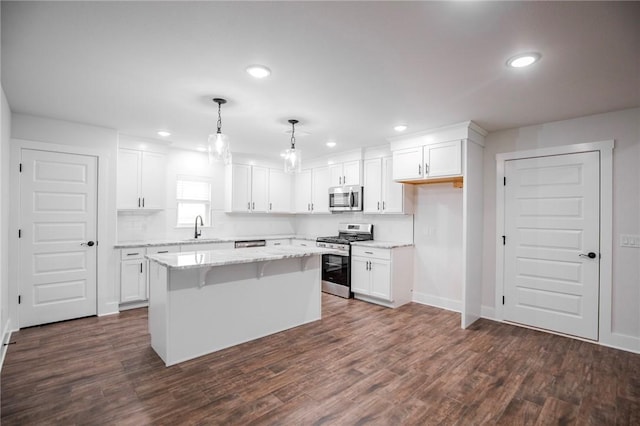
{"x": 351, "y": 198}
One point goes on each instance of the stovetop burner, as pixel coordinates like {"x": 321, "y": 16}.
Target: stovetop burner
{"x": 350, "y": 233}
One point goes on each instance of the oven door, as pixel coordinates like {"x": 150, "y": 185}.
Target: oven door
{"x": 336, "y": 274}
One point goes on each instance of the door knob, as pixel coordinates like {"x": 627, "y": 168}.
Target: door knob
{"x": 590, "y": 255}
{"x": 90, "y": 244}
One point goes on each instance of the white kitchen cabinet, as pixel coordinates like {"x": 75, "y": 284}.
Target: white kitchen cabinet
{"x": 320, "y": 190}
{"x": 312, "y": 191}
{"x": 302, "y": 192}
{"x": 279, "y": 191}
{"x": 381, "y": 193}
{"x": 133, "y": 275}
{"x": 382, "y": 276}
{"x": 347, "y": 173}
{"x": 141, "y": 180}
{"x": 430, "y": 161}
{"x": 246, "y": 189}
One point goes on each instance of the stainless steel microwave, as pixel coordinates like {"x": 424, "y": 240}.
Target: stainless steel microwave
{"x": 345, "y": 198}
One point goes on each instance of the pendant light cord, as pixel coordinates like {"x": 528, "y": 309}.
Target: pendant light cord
{"x": 219, "y": 118}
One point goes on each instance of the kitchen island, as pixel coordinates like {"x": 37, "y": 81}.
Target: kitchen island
{"x": 204, "y": 301}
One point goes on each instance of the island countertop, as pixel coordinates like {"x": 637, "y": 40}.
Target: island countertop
{"x": 205, "y": 258}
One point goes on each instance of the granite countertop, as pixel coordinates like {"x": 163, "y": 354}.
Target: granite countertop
{"x": 208, "y": 258}
{"x": 167, "y": 242}
{"x": 382, "y": 244}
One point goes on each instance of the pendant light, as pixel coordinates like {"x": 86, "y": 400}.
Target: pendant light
{"x": 218, "y": 147}
{"x": 292, "y": 156}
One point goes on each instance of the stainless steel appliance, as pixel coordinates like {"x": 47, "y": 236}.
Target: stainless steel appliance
{"x": 250, "y": 243}
{"x": 345, "y": 198}
{"x": 336, "y": 268}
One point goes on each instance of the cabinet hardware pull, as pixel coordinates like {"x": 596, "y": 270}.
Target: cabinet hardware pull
{"x": 253, "y": 206}
{"x": 249, "y": 206}
{"x": 138, "y": 201}
{"x": 308, "y": 207}
{"x": 132, "y": 254}
{"x": 369, "y": 252}
{"x": 378, "y": 205}
{"x": 426, "y": 169}
{"x": 163, "y": 251}
{"x": 340, "y": 180}
{"x": 419, "y": 169}
{"x": 140, "y": 267}
{"x": 270, "y": 206}
{"x": 142, "y": 201}
{"x": 383, "y": 205}
{"x": 311, "y": 206}
{"x": 344, "y": 180}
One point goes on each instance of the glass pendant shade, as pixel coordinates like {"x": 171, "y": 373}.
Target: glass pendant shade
{"x": 218, "y": 148}
{"x": 292, "y": 161}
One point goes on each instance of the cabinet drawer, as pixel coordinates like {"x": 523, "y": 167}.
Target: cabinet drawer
{"x": 163, "y": 249}
{"x": 132, "y": 253}
{"x": 377, "y": 253}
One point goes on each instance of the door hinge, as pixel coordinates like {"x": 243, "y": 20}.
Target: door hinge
{"x": 504, "y": 182}
{"x": 19, "y": 299}
{"x": 503, "y": 300}
{"x": 19, "y": 233}
{"x": 20, "y": 167}
{"x": 504, "y": 240}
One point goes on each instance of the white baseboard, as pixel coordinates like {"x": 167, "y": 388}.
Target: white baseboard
{"x": 6, "y": 337}
{"x": 109, "y": 309}
{"x": 133, "y": 305}
{"x": 621, "y": 341}
{"x": 488, "y": 312}
{"x": 437, "y": 301}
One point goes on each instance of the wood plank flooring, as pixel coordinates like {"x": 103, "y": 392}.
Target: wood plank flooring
{"x": 361, "y": 364}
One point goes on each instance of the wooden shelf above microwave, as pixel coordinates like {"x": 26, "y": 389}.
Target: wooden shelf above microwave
{"x": 457, "y": 181}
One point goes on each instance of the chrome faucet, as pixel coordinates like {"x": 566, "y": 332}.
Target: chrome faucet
{"x": 198, "y": 233}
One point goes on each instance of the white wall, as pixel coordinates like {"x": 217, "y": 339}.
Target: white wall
{"x": 624, "y": 128}
{"x": 86, "y": 139}
{"x": 5, "y": 131}
{"x": 438, "y": 272}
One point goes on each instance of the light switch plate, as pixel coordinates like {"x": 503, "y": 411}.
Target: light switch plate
{"x": 629, "y": 240}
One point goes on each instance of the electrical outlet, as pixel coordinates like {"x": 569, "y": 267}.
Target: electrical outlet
{"x": 630, "y": 240}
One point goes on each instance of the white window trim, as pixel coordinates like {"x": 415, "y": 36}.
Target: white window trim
{"x": 207, "y": 217}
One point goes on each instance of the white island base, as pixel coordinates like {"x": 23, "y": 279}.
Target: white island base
{"x": 198, "y": 310}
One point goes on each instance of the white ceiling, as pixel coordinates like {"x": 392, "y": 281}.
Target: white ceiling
{"x": 348, "y": 71}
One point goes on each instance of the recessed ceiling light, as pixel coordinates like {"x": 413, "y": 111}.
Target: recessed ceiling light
{"x": 400, "y": 128}
{"x": 258, "y": 71}
{"x": 331, "y": 144}
{"x": 163, "y": 133}
{"x": 523, "y": 60}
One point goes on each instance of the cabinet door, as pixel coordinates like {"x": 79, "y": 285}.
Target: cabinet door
{"x": 279, "y": 191}
{"x": 381, "y": 279}
{"x": 133, "y": 283}
{"x": 240, "y": 188}
{"x": 335, "y": 175}
{"x": 128, "y": 187}
{"x": 360, "y": 275}
{"x": 407, "y": 164}
{"x": 153, "y": 180}
{"x": 302, "y": 192}
{"x": 444, "y": 159}
{"x": 259, "y": 189}
{"x": 320, "y": 190}
{"x": 372, "y": 186}
{"x": 392, "y": 191}
{"x": 351, "y": 173}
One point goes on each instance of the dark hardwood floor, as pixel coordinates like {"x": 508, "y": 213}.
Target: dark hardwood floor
{"x": 360, "y": 364}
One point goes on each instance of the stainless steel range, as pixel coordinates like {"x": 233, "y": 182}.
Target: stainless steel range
{"x": 336, "y": 268}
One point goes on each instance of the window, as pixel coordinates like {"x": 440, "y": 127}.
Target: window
{"x": 193, "y": 196}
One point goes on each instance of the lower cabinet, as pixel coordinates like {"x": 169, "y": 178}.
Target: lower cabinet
{"x": 133, "y": 275}
{"x": 382, "y": 276}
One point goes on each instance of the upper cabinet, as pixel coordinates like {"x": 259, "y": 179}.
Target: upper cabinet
{"x": 141, "y": 180}
{"x": 311, "y": 191}
{"x": 279, "y": 191}
{"x": 246, "y": 189}
{"x": 381, "y": 193}
{"x": 436, "y": 160}
{"x": 347, "y": 173}
{"x": 257, "y": 189}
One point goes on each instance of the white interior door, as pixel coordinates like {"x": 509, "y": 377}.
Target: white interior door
{"x": 551, "y": 257}
{"x": 58, "y": 217}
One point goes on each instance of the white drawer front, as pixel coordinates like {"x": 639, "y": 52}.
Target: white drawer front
{"x": 376, "y": 253}
{"x": 132, "y": 253}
